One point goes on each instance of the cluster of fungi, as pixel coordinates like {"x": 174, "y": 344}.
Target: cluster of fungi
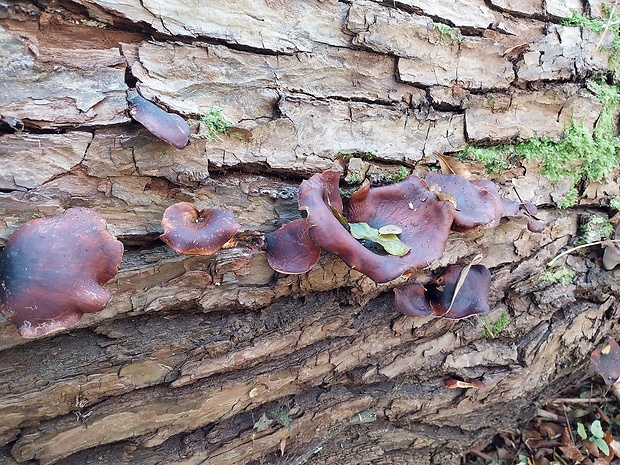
{"x": 52, "y": 270}
{"x": 422, "y": 211}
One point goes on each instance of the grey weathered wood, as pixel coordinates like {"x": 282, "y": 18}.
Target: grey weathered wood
{"x": 191, "y": 352}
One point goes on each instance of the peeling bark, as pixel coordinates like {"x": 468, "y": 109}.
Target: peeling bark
{"x": 212, "y": 360}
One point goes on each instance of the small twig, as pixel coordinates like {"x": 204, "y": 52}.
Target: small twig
{"x": 549, "y": 415}
{"x": 581, "y": 401}
{"x": 487, "y": 326}
{"x": 583, "y": 246}
{"x": 572, "y": 439}
{"x": 609, "y": 23}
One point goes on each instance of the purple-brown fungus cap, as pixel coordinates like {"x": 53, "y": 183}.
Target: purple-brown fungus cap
{"x": 472, "y": 296}
{"x": 411, "y": 300}
{"x": 424, "y": 219}
{"x": 409, "y": 205}
{"x": 475, "y": 205}
{"x": 192, "y": 232}
{"x": 606, "y": 360}
{"x": 52, "y": 271}
{"x": 290, "y": 249}
{"x": 169, "y": 127}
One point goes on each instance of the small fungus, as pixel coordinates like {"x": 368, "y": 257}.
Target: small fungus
{"x": 169, "y": 127}
{"x": 192, "y": 232}
{"x": 512, "y": 209}
{"x": 611, "y": 256}
{"x": 479, "y": 203}
{"x": 471, "y": 298}
{"x": 606, "y": 361}
{"x": 452, "y": 383}
{"x": 52, "y": 271}
{"x": 457, "y": 293}
{"x": 290, "y": 249}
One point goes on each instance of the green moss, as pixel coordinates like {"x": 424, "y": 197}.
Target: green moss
{"x": 596, "y": 229}
{"x": 491, "y": 99}
{"x": 564, "y": 276}
{"x": 282, "y": 417}
{"x": 495, "y": 328}
{"x": 570, "y": 199}
{"x": 214, "y": 124}
{"x": 578, "y": 155}
{"x": 447, "y": 32}
{"x": 578, "y": 20}
{"x": 611, "y": 21}
{"x": 614, "y": 202}
{"x": 346, "y": 193}
{"x": 403, "y": 172}
{"x": 494, "y": 158}
{"x": 353, "y": 178}
{"x": 363, "y": 155}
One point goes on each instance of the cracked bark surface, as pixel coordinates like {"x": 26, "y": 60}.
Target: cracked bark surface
{"x": 222, "y": 360}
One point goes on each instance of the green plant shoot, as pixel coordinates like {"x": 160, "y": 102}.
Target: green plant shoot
{"x": 215, "y": 124}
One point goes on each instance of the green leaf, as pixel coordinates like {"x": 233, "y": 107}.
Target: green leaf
{"x": 338, "y": 216}
{"x": 336, "y": 213}
{"x": 601, "y": 444}
{"x": 597, "y": 429}
{"x": 581, "y": 431}
{"x": 390, "y": 242}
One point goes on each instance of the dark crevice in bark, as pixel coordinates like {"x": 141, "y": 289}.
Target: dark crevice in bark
{"x": 519, "y": 14}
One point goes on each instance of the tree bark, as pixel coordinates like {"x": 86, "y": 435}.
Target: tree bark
{"x": 221, "y": 360}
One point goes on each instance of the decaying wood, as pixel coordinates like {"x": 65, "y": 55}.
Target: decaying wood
{"x": 221, "y": 360}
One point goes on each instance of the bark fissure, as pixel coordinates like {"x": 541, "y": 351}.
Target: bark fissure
{"x": 192, "y": 352}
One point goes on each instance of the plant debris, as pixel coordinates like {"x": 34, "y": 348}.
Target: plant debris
{"x": 581, "y": 426}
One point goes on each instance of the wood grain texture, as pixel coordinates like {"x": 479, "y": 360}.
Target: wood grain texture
{"x": 219, "y": 360}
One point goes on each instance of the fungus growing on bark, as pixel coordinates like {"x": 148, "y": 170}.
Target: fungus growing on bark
{"x": 510, "y": 208}
{"x": 611, "y": 256}
{"x": 458, "y": 292}
{"x": 606, "y": 361}
{"x": 452, "y": 383}
{"x": 424, "y": 222}
{"x": 410, "y": 300}
{"x": 52, "y": 271}
{"x": 192, "y": 232}
{"x": 478, "y": 203}
{"x": 290, "y": 249}
{"x": 166, "y": 126}
{"x": 475, "y": 205}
